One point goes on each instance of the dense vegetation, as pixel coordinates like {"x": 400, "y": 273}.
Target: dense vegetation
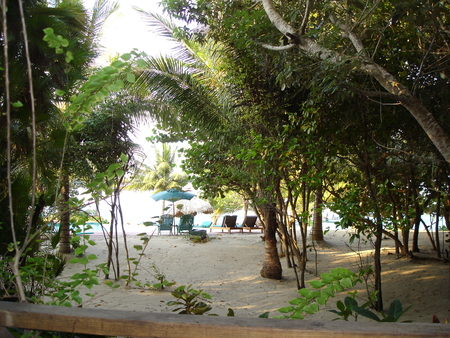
{"x": 339, "y": 105}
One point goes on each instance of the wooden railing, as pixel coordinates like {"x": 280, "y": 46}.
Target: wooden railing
{"x": 142, "y": 324}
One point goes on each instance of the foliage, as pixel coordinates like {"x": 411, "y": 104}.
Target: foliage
{"x": 160, "y": 277}
{"x": 336, "y": 281}
{"x": 394, "y": 313}
{"x": 161, "y": 175}
{"x": 193, "y": 302}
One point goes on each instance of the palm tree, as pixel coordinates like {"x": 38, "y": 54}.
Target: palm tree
{"x": 161, "y": 175}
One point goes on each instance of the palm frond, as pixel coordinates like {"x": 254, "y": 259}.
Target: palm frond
{"x": 101, "y": 11}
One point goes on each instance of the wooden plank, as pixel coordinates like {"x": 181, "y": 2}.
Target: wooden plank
{"x": 254, "y": 228}
{"x": 164, "y": 325}
{"x": 241, "y": 230}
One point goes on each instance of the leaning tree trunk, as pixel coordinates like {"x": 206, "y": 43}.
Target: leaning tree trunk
{"x": 271, "y": 266}
{"x": 64, "y": 212}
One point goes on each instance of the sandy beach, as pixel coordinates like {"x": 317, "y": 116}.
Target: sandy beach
{"x": 227, "y": 267}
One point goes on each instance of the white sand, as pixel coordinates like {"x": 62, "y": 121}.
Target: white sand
{"x": 227, "y": 267}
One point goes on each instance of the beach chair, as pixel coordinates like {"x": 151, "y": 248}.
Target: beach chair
{"x": 186, "y": 224}
{"x": 228, "y": 223}
{"x": 165, "y": 223}
{"x": 249, "y": 224}
{"x": 206, "y": 224}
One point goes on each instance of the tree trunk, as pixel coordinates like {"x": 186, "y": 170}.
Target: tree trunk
{"x": 64, "y": 212}
{"x": 317, "y": 230}
{"x": 417, "y": 218}
{"x": 405, "y": 239}
{"x": 271, "y": 266}
{"x": 378, "y": 304}
{"x": 438, "y": 215}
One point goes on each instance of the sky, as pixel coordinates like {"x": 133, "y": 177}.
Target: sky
{"x": 126, "y": 29}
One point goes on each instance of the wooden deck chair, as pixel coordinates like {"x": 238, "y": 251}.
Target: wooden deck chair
{"x": 249, "y": 224}
{"x": 228, "y": 223}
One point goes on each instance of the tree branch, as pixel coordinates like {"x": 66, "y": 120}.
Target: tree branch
{"x": 305, "y": 17}
{"x": 348, "y": 33}
{"x": 278, "y": 48}
{"x": 426, "y": 120}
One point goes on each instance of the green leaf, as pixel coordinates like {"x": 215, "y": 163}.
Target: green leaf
{"x": 350, "y": 302}
{"x": 114, "y": 166}
{"x": 327, "y": 278}
{"x": 264, "y": 315}
{"x": 322, "y": 300}
{"x": 306, "y": 293}
{"x": 119, "y": 84}
{"x": 366, "y": 313}
{"x": 329, "y": 290}
{"x": 314, "y": 307}
{"x": 124, "y": 158}
{"x": 316, "y": 284}
{"x": 60, "y": 92}
{"x": 346, "y": 283}
{"x": 299, "y": 302}
{"x": 141, "y": 63}
{"x": 131, "y": 78}
{"x": 118, "y": 64}
{"x": 78, "y": 251}
{"x": 286, "y": 309}
{"x": 74, "y": 260}
{"x": 49, "y": 31}
{"x": 297, "y": 315}
{"x": 92, "y": 257}
{"x": 64, "y": 42}
{"x": 17, "y": 104}
{"x": 126, "y": 57}
{"x": 395, "y": 309}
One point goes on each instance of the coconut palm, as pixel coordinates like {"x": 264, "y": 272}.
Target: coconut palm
{"x": 161, "y": 175}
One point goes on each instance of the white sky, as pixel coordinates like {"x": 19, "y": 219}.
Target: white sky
{"x": 126, "y": 29}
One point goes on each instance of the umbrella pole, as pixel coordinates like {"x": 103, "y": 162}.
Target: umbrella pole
{"x": 173, "y": 217}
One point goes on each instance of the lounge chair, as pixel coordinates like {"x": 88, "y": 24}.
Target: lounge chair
{"x": 228, "y": 223}
{"x": 249, "y": 224}
{"x": 165, "y": 223}
{"x": 186, "y": 224}
{"x": 206, "y": 224}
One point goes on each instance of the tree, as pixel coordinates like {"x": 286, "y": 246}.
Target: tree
{"x": 431, "y": 24}
{"x": 161, "y": 175}
{"x": 35, "y": 71}
{"x": 77, "y": 69}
